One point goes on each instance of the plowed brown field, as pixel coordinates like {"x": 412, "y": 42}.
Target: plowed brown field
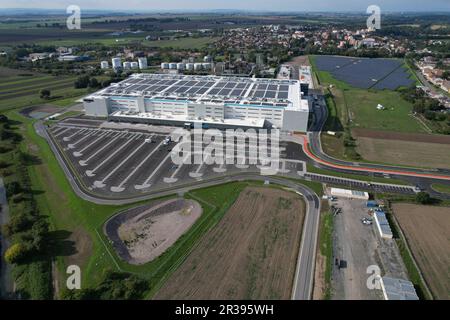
{"x": 250, "y": 254}
{"x": 427, "y": 230}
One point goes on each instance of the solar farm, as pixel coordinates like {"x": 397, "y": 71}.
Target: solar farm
{"x": 366, "y": 73}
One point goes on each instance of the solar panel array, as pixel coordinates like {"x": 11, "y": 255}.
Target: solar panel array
{"x": 269, "y": 91}
{"x": 366, "y": 73}
{"x": 214, "y": 89}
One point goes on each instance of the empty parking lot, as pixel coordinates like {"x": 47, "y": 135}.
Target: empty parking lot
{"x": 125, "y": 162}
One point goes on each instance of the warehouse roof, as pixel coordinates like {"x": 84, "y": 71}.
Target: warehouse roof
{"x": 210, "y": 89}
{"x": 398, "y": 289}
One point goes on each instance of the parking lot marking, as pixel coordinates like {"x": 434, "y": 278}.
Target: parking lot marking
{"x": 197, "y": 173}
{"x": 73, "y": 135}
{"x": 71, "y": 146}
{"x": 56, "y": 129}
{"x": 80, "y": 153}
{"x": 220, "y": 169}
{"x": 84, "y": 162}
{"x": 101, "y": 183}
{"x": 172, "y": 178}
{"x": 120, "y": 187}
{"x": 91, "y": 173}
{"x": 61, "y": 132}
{"x": 146, "y": 182}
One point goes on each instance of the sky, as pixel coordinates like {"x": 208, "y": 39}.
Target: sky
{"x": 259, "y": 5}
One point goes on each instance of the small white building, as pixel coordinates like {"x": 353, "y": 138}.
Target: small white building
{"x": 116, "y": 63}
{"x": 104, "y": 65}
{"x": 142, "y": 63}
{"x": 351, "y": 194}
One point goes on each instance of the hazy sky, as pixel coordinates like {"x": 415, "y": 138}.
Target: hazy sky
{"x": 275, "y": 5}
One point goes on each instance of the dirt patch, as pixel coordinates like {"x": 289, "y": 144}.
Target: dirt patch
{"x": 401, "y": 152}
{"x": 401, "y": 136}
{"x": 39, "y": 112}
{"x": 142, "y": 234}
{"x": 250, "y": 254}
{"x": 83, "y": 247}
{"x": 299, "y": 61}
{"x": 319, "y": 277}
{"x": 427, "y": 230}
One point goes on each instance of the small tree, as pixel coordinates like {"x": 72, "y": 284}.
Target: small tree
{"x": 423, "y": 198}
{"x": 45, "y": 94}
{"x": 13, "y": 188}
{"x": 93, "y": 83}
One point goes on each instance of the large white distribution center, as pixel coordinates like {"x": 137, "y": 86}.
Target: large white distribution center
{"x": 212, "y": 101}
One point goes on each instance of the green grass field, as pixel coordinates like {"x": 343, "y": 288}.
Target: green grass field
{"x": 357, "y": 107}
{"x": 21, "y": 89}
{"x": 444, "y": 188}
{"x": 326, "y": 247}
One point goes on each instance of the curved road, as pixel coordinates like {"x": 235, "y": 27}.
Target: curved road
{"x": 304, "y": 274}
{"x": 313, "y": 149}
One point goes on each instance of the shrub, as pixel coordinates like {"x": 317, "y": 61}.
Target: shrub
{"x": 15, "y": 253}
{"x": 44, "y": 94}
{"x": 13, "y": 188}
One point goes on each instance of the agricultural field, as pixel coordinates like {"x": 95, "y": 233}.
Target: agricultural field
{"x": 21, "y": 88}
{"x": 256, "y": 246}
{"x": 182, "y": 43}
{"x": 418, "y": 150}
{"x": 426, "y": 229}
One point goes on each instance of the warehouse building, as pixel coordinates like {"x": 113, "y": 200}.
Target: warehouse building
{"x": 219, "y": 102}
{"x": 350, "y": 194}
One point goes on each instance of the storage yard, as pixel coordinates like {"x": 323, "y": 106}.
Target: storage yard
{"x": 357, "y": 244}
{"x": 250, "y": 254}
{"x": 427, "y": 230}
